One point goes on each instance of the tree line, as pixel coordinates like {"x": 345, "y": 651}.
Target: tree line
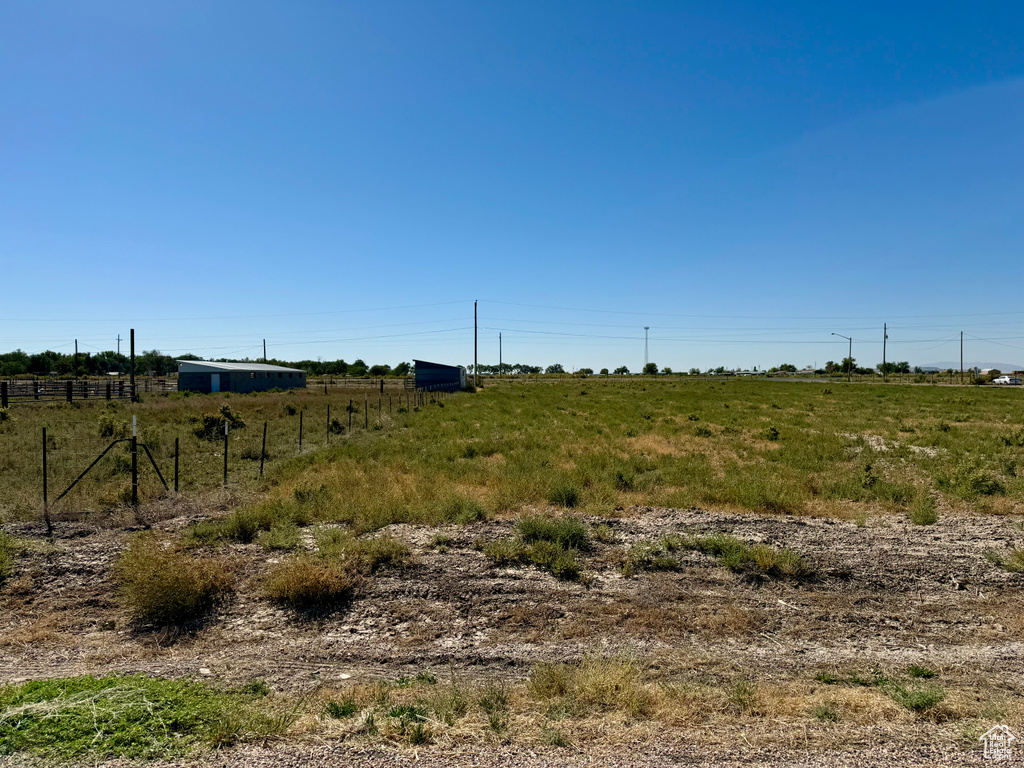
{"x": 155, "y": 363}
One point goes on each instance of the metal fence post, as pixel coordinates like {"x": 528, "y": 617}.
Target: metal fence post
{"x": 46, "y": 498}
{"x": 176, "y": 452}
{"x": 328, "y": 423}
{"x": 135, "y": 466}
{"x": 225, "y": 453}
{"x": 263, "y": 450}
{"x": 300, "y": 430}
{"x": 3, "y": 394}
{"x": 70, "y": 391}
{"x": 366, "y": 411}
{"x": 350, "y": 414}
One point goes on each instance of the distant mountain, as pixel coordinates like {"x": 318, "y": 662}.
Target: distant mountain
{"x": 968, "y": 365}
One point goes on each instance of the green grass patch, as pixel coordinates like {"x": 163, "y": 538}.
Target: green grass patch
{"x": 660, "y": 555}
{"x": 132, "y": 717}
{"x": 1012, "y": 560}
{"x": 753, "y": 559}
{"x": 566, "y": 532}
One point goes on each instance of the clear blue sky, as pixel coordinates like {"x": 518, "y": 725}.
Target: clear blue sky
{"x": 344, "y": 179}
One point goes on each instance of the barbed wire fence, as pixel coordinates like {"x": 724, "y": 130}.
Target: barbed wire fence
{"x": 81, "y": 467}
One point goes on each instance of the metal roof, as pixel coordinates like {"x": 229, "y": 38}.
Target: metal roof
{"x": 205, "y": 365}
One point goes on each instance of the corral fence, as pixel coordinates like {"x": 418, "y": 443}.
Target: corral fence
{"x": 136, "y": 463}
{"x": 360, "y": 382}
{"x": 42, "y": 390}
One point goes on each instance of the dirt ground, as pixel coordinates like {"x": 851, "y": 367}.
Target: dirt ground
{"x": 887, "y": 594}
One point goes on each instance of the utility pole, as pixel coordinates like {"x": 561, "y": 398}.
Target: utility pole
{"x": 849, "y": 358}
{"x": 646, "y": 329}
{"x": 499, "y": 356}
{"x": 885, "y": 337}
{"x": 76, "y": 359}
{"x": 476, "y": 366}
{"x": 119, "y": 354}
{"x": 961, "y": 357}
{"x": 264, "y": 351}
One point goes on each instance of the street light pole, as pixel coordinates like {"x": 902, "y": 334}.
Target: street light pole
{"x": 849, "y": 357}
{"x": 646, "y": 329}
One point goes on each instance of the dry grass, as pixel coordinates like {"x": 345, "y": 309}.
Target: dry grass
{"x": 307, "y": 584}
{"x": 164, "y": 586}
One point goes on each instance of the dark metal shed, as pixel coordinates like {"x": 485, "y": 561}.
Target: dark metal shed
{"x": 203, "y": 376}
{"x": 436, "y": 377}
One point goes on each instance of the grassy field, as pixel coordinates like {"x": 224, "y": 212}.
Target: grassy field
{"x": 531, "y": 516}
{"x": 797, "y": 448}
{"x": 78, "y": 432}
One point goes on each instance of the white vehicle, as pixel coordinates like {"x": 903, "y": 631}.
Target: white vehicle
{"x": 1006, "y": 380}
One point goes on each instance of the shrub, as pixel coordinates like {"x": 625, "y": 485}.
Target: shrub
{"x": 624, "y": 480}
{"x": 758, "y": 559}
{"x": 595, "y": 684}
{"x": 560, "y": 562}
{"x": 827, "y": 713}
{"x": 494, "y": 701}
{"x": 567, "y": 532}
{"x": 342, "y": 709}
{"x": 505, "y": 552}
{"x": 652, "y": 556}
{"x": 282, "y": 535}
{"x": 565, "y": 495}
{"x": 307, "y": 584}
{"x": 923, "y": 512}
{"x": 703, "y": 432}
{"x": 110, "y": 426}
{"x": 211, "y": 426}
{"x": 917, "y": 700}
{"x": 365, "y": 556}
{"x": 461, "y": 510}
{"x": 164, "y": 586}
{"x": 1012, "y": 561}
{"x": 770, "y": 433}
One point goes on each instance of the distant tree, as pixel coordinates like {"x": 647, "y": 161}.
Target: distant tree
{"x": 585, "y": 371}
{"x": 604, "y": 371}
{"x": 719, "y": 370}
{"x": 831, "y": 366}
{"x": 380, "y": 370}
{"x": 695, "y": 371}
{"x": 917, "y": 369}
{"x": 848, "y": 364}
{"x": 358, "y": 368}
{"x": 667, "y": 371}
{"x": 622, "y": 370}
{"x": 402, "y": 369}
{"x": 651, "y": 369}
{"x": 787, "y": 368}
{"x": 554, "y": 368}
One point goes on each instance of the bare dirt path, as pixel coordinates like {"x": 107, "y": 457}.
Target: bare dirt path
{"x": 886, "y": 595}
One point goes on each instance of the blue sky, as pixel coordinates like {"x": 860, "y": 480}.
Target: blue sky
{"x": 345, "y": 179}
